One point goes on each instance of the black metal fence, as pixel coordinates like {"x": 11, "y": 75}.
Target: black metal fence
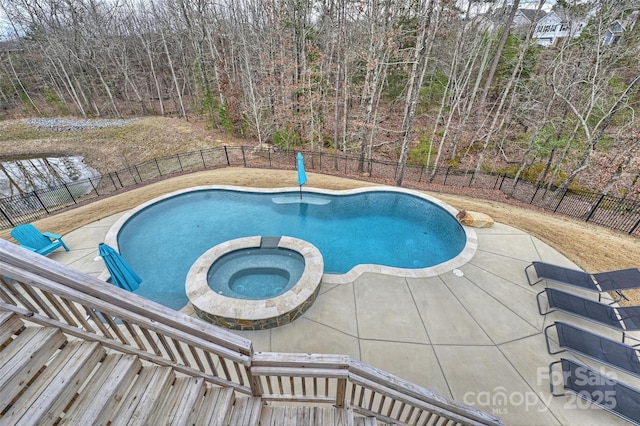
{"x": 616, "y": 213}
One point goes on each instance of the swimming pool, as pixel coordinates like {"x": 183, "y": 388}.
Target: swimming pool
{"x": 387, "y": 230}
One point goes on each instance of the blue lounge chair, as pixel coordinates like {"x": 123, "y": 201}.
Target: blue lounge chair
{"x": 32, "y": 239}
{"x": 597, "y": 388}
{"x": 612, "y": 281}
{"x": 582, "y": 342}
{"x": 621, "y": 318}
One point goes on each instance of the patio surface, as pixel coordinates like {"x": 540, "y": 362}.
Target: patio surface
{"x": 474, "y": 336}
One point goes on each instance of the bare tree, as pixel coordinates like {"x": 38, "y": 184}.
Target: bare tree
{"x": 421, "y": 52}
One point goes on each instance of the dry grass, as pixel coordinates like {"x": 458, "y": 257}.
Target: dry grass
{"x": 111, "y": 148}
{"x": 593, "y": 248}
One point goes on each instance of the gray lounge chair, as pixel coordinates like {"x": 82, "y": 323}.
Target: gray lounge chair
{"x": 612, "y": 281}
{"x": 594, "y": 346}
{"x": 599, "y": 389}
{"x": 621, "y": 318}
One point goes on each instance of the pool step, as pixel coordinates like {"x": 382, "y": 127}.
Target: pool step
{"x": 269, "y": 242}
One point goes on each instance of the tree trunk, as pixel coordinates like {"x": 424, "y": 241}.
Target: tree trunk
{"x": 496, "y": 58}
{"x": 415, "y": 83}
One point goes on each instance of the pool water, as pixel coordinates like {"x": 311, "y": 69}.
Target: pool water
{"x": 258, "y": 283}
{"x": 163, "y": 240}
{"x": 255, "y": 273}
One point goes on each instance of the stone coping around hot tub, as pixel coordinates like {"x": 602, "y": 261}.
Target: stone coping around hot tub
{"x": 254, "y": 314}
{"x": 469, "y": 250}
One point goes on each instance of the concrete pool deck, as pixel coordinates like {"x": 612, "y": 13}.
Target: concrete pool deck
{"x": 473, "y": 334}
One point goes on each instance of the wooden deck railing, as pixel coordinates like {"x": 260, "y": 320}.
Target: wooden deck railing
{"x": 48, "y": 293}
{"x": 342, "y": 381}
{"x": 91, "y": 309}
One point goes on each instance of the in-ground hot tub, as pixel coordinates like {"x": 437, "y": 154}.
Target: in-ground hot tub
{"x": 255, "y": 283}
{"x": 256, "y": 272}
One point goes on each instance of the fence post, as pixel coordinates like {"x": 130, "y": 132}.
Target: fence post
{"x": 560, "y": 202}
{"x": 269, "y": 156}
{"x": 504, "y": 175}
{"x": 244, "y": 159}
{"x": 593, "y": 210}
{"x": 534, "y": 194}
{"x": 7, "y": 217}
{"x": 112, "y": 181}
{"x": 119, "y": 181}
{"x": 94, "y": 187}
{"x": 634, "y": 227}
{"x": 226, "y": 154}
{"x": 446, "y": 174}
{"x": 180, "y": 163}
{"x": 35, "y": 193}
{"x": 204, "y": 163}
{"x": 70, "y": 194}
{"x": 138, "y": 173}
{"x": 158, "y": 166}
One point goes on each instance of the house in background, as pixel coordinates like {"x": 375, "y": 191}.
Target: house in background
{"x": 619, "y": 26}
{"x": 524, "y": 18}
{"x": 553, "y": 27}
{"x": 613, "y": 34}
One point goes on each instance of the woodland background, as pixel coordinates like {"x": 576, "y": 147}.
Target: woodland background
{"x": 423, "y": 82}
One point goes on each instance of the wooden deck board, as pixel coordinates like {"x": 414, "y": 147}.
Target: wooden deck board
{"x": 367, "y": 421}
{"x": 16, "y": 346}
{"x": 10, "y": 324}
{"x": 171, "y": 404}
{"x": 216, "y": 407}
{"x": 343, "y": 417}
{"x": 49, "y": 394}
{"x": 207, "y": 408}
{"x": 144, "y": 397}
{"x": 169, "y": 400}
{"x": 305, "y": 416}
{"x": 17, "y": 371}
{"x": 223, "y": 407}
{"x": 96, "y": 401}
{"x": 246, "y": 411}
{"x": 190, "y": 403}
